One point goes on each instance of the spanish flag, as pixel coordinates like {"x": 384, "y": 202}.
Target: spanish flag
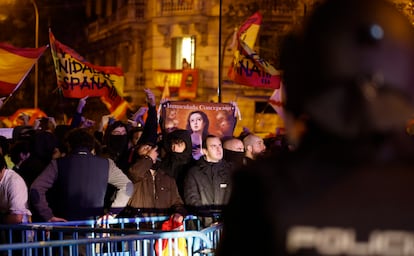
{"x": 247, "y": 67}
{"x": 15, "y": 65}
{"x": 78, "y": 78}
{"x": 189, "y": 82}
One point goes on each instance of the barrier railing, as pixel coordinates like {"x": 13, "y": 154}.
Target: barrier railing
{"x": 196, "y": 243}
{"x": 107, "y": 237}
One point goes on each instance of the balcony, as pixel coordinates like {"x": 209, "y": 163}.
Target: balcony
{"x": 281, "y": 8}
{"x": 130, "y": 13}
{"x": 181, "y": 7}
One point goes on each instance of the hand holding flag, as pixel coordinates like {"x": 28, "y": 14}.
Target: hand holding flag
{"x": 78, "y": 78}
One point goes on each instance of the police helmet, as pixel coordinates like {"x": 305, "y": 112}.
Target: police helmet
{"x": 351, "y": 68}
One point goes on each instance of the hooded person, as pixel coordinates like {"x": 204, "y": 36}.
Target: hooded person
{"x": 178, "y": 156}
{"x": 233, "y": 149}
{"x": 43, "y": 145}
{"x": 115, "y": 144}
{"x": 346, "y": 189}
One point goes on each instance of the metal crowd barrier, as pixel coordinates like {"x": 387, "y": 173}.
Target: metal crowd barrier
{"x": 106, "y": 237}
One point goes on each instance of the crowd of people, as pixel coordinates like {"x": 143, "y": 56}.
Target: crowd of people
{"x": 53, "y": 173}
{"x": 339, "y": 183}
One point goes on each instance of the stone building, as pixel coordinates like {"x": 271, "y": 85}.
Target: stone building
{"x": 149, "y": 37}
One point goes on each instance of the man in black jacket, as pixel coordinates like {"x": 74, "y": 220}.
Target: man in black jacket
{"x": 207, "y": 185}
{"x": 347, "y": 189}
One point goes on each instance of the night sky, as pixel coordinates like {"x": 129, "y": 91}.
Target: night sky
{"x": 67, "y": 20}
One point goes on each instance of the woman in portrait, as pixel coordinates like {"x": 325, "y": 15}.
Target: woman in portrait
{"x": 197, "y": 124}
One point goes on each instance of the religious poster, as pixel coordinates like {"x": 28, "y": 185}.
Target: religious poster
{"x": 200, "y": 119}
{"x": 218, "y": 118}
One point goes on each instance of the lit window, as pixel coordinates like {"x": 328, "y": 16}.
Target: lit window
{"x": 183, "y": 48}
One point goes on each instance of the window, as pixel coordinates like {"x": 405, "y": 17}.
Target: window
{"x": 262, "y": 107}
{"x": 114, "y": 7}
{"x": 101, "y": 8}
{"x": 182, "y": 48}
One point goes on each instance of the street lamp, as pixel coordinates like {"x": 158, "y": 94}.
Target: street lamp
{"x": 36, "y": 84}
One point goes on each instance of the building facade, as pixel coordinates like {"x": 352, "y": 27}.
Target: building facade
{"x": 146, "y": 37}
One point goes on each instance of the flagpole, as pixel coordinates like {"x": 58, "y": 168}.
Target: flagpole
{"x": 36, "y": 83}
{"x": 219, "y": 55}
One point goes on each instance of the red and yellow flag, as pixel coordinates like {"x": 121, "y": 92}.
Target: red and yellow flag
{"x": 188, "y": 86}
{"x": 177, "y": 83}
{"x": 78, "y": 78}
{"x": 16, "y": 119}
{"x": 168, "y": 80}
{"x": 247, "y": 67}
{"x": 15, "y": 64}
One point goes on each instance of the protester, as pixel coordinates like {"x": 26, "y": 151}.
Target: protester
{"x": 43, "y": 148}
{"x": 233, "y": 150}
{"x": 45, "y": 124}
{"x": 19, "y": 152}
{"x": 137, "y": 119}
{"x": 149, "y": 129}
{"x": 207, "y": 185}
{"x": 78, "y": 182}
{"x": 149, "y": 133}
{"x": 346, "y": 189}
{"x": 233, "y": 144}
{"x": 14, "y": 207}
{"x": 254, "y": 148}
{"x": 13, "y": 197}
{"x": 78, "y": 120}
{"x": 5, "y": 145}
{"x": 60, "y": 132}
{"x": 277, "y": 144}
{"x": 178, "y": 158}
{"x": 246, "y": 131}
{"x": 155, "y": 193}
{"x": 115, "y": 144}
{"x": 134, "y": 135}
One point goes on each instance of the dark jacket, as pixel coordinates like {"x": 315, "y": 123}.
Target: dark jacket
{"x": 115, "y": 147}
{"x": 74, "y": 187}
{"x": 237, "y": 159}
{"x": 149, "y": 136}
{"x": 177, "y": 164}
{"x": 158, "y": 194}
{"x": 208, "y": 184}
{"x": 42, "y": 146}
{"x": 73, "y": 197}
{"x": 358, "y": 191}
